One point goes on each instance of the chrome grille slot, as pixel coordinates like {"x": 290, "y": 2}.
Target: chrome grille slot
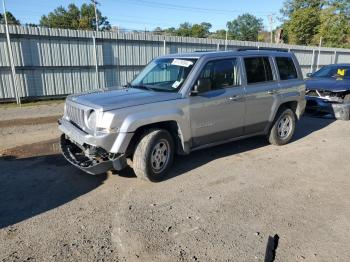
{"x": 75, "y": 115}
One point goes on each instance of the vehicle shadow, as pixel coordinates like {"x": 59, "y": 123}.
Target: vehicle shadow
{"x": 308, "y": 125}
{"x": 305, "y": 127}
{"x": 31, "y": 186}
{"x": 183, "y": 164}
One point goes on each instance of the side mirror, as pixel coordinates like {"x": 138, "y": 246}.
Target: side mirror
{"x": 309, "y": 75}
{"x": 203, "y": 85}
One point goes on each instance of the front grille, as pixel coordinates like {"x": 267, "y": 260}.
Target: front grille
{"x": 75, "y": 115}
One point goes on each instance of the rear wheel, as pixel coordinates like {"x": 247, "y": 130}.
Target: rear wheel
{"x": 283, "y": 127}
{"x": 153, "y": 155}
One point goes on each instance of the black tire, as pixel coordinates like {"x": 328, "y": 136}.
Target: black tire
{"x": 149, "y": 155}
{"x": 278, "y": 135}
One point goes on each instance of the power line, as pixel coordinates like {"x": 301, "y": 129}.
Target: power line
{"x": 187, "y": 8}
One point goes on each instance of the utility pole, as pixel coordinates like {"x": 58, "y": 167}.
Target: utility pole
{"x": 96, "y": 16}
{"x": 271, "y": 22}
{"x": 9, "y": 48}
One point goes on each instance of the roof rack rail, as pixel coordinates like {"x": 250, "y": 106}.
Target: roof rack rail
{"x": 262, "y": 48}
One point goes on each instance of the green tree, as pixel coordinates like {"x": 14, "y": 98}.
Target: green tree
{"x": 334, "y": 29}
{"x": 75, "y": 18}
{"x": 158, "y": 31}
{"x": 342, "y": 6}
{"x": 303, "y": 26}
{"x": 245, "y": 28}
{"x": 220, "y": 34}
{"x": 291, "y": 6}
{"x": 11, "y": 19}
{"x": 186, "y": 29}
{"x": 200, "y": 30}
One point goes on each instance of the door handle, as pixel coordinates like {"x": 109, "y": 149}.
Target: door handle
{"x": 272, "y": 92}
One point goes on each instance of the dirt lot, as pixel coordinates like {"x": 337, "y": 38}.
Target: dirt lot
{"x": 244, "y": 201}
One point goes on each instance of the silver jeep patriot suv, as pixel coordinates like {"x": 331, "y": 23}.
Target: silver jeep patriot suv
{"x": 180, "y": 103}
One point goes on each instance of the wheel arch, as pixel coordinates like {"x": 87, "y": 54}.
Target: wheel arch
{"x": 171, "y": 126}
{"x": 291, "y": 104}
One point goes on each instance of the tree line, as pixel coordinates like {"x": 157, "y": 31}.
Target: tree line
{"x": 303, "y": 22}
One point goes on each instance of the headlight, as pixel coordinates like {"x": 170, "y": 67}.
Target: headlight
{"x": 91, "y": 120}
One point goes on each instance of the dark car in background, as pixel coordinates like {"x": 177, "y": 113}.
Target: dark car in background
{"x": 328, "y": 91}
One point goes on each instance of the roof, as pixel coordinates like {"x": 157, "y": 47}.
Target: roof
{"x": 237, "y": 52}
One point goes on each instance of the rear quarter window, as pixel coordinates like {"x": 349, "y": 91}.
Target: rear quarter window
{"x": 258, "y": 69}
{"x": 286, "y": 68}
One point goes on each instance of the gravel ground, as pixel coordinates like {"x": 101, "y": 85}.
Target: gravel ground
{"x": 244, "y": 201}
{"x": 13, "y": 136}
{"x": 31, "y": 111}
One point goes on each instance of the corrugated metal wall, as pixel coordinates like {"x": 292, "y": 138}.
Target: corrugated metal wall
{"x": 53, "y": 62}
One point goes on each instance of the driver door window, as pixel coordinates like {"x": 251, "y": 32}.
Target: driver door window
{"x": 221, "y": 73}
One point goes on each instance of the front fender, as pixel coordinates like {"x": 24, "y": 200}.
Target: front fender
{"x": 139, "y": 119}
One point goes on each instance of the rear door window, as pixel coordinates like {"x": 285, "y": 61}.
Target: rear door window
{"x": 258, "y": 69}
{"x": 286, "y": 68}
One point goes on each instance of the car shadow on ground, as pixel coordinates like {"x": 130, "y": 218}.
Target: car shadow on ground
{"x": 308, "y": 125}
{"x": 34, "y": 185}
{"x": 183, "y": 164}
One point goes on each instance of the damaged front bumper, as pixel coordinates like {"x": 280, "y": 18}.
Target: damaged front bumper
{"x": 90, "y": 159}
{"x": 325, "y": 105}
{"x": 93, "y": 154}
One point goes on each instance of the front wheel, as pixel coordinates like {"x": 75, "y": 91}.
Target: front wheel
{"x": 283, "y": 127}
{"x": 154, "y": 155}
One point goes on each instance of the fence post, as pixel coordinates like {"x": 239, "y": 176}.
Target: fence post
{"x": 335, "y": 57}
{"x": 319, "y": 54}
{"x": 164, "y": 47}
{"x": 218, "y": 47}
{"x": 312, "y": 61}
{"x": 13, "y": 69}
{"x": 97, "y": 78}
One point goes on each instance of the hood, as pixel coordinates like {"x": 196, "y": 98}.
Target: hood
{"x": 116, "y": 99}
{"x": 328, "y": 84}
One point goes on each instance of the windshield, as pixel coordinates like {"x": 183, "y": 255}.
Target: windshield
{"x": 164, "y": 74}
{"x": 333, "y": 71}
